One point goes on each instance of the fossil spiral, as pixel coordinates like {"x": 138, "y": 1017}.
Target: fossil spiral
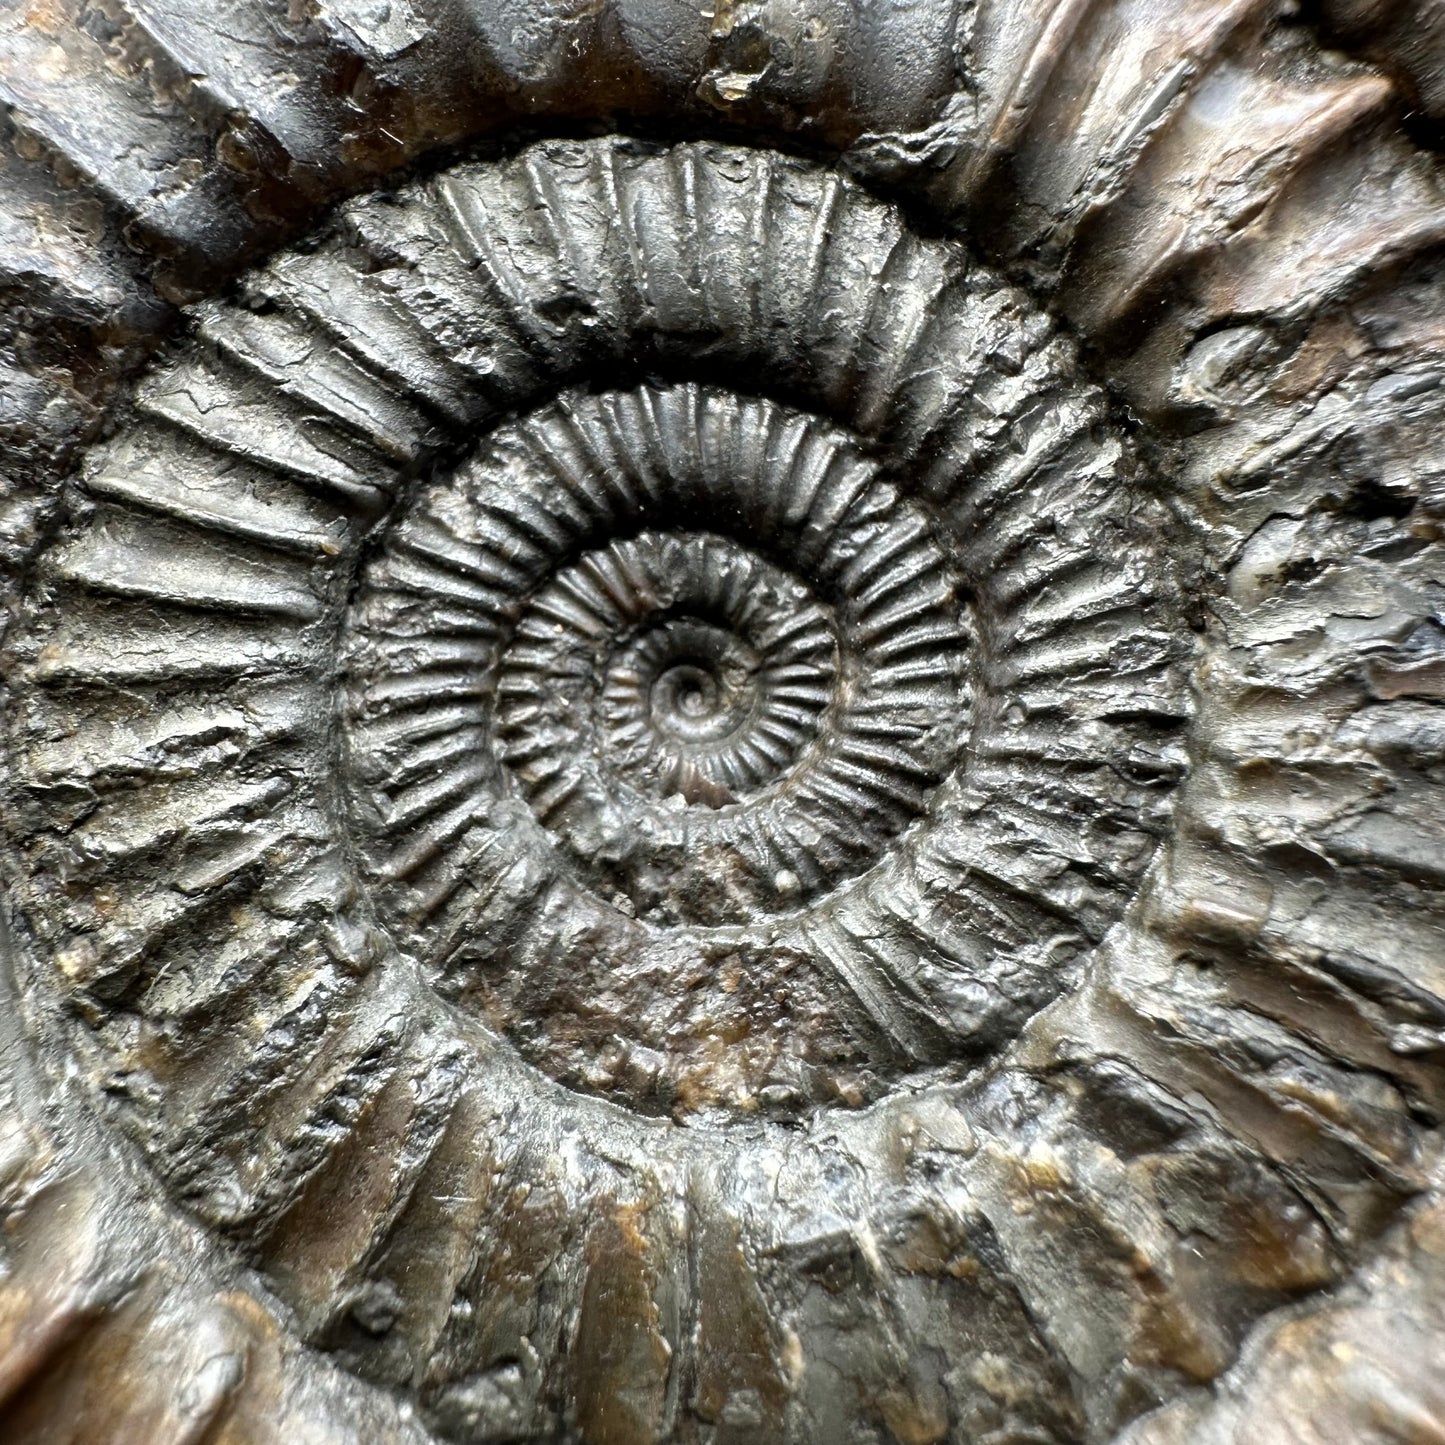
{"x": 674, "y": 714}
{"x": 745, "y": 755}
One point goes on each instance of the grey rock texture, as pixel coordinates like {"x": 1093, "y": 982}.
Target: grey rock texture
{"x": 722, "y": 723}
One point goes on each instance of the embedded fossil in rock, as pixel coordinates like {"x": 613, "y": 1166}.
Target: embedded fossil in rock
{"x": 671, "y": 715}
{"x": 755, "y": 763}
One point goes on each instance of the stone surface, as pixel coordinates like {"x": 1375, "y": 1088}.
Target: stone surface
{"x": 722, "y": 723}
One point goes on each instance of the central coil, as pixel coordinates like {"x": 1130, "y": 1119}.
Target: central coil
{"x": 731, "y": 716}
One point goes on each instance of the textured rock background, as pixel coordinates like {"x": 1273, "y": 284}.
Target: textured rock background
{"x": 262, "y": 1182}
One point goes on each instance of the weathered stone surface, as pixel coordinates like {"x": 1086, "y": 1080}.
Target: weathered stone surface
{"x": 722, "y": 723}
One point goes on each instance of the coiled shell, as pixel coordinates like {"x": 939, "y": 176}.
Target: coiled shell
{"x": 911, "y": 671}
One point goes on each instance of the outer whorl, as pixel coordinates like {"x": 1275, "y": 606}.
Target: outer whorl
{"x": 762, "y": 774}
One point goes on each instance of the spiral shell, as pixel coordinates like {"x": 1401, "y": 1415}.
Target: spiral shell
{"x": 665, "y": 790}
{"x": 675, "y": 715}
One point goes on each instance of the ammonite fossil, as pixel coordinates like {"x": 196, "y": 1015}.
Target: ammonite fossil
{"x": 722, "y": 724}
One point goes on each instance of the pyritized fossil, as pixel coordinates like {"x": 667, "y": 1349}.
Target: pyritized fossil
{"x": 757, "y": 771}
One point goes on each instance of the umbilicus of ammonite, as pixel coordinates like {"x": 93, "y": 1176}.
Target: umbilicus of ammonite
{"x": 722, "y": 724}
